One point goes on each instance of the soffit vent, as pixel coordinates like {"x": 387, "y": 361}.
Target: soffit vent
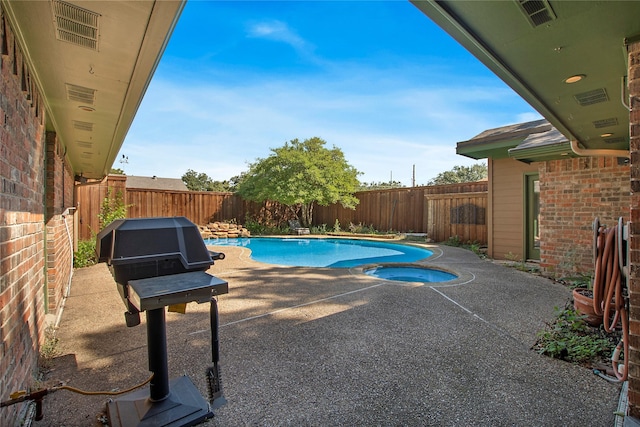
{"x": 592, "y": 97}
{"x": 618, "y": 140}
{"x": 84, "y": 144}
{"x": 605, "y": 123}
{"x": 86, "y": 155}
{"x": 76, "y": 25}
{"x": 538, "y": 12}
{"x": 78, "y": 125}
{"x": 81, "y": 94}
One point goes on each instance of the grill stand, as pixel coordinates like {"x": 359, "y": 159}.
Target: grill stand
{"x": 174, "y": 403}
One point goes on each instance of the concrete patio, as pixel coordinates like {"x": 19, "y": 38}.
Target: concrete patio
{"x": 311, "y": 347}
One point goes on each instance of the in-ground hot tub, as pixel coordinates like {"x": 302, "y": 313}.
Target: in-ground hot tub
{"x": 410, "y": 273}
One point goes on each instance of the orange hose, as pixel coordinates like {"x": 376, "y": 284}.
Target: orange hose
{"x": 608, "y": 293}
{"x": 597, "y": 276}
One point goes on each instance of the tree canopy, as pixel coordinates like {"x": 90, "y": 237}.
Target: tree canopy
{"x": 300, "y": 174}
{"x": 458, "y": 174}
{"x": 198, "y": 181}
{"x": 369, "y": 186}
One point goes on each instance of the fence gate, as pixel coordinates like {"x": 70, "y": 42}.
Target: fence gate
{"x": 463, "y": 215}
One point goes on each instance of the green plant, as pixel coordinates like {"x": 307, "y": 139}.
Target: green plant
{"x": 517, "y": 262}
{"x": 453, "y": 241}
{"x": 112, "y": 208}
{"x": 581, "y": 280}
{"x": 86, "y": 253}
{"x": 336, "y": 226}
{"x": 456, "y": 241}
{"x": 476, "y": 248}
{"x": 49, "y": 348}
{"x": 257, "y": 228}
{"x": 569, "y": 338}
{"x": 362, "y": 229}
{"x": 319, "y": 229}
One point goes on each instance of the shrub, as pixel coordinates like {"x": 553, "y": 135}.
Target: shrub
{"x": 362, "y": 229}
{"x": 112, "y": 208}
{"x": 256, "y": 228}
{"x": 86, "y": 254}
{"x": 319, "y": 229}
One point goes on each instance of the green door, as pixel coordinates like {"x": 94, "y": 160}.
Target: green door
{"x": 532, "y": 217}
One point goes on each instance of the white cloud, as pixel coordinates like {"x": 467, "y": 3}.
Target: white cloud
{"x": 383, "y": 124}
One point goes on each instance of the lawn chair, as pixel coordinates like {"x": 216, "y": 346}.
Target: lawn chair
{"x": 296, "y": 228}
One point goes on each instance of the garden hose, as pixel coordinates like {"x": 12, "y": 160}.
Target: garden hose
{"x": 38, "y": 395}
{"x": 100, "y": 393}
{"x": 609, "y": 290}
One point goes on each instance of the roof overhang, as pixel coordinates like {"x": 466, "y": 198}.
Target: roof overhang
{"x": 534, "y": 46}
{"x": 538, "y": 147}
{"x": 528, "y": 142}
{"x": 92, "y": 61}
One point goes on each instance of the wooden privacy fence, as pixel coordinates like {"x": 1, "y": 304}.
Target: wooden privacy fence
{"x": 442, "y": 211}
{"x": 198, "y": 207}
{"x": 89, "y": 198}
{"x": 463, "y": 215}
{"x": 417, "y": 209}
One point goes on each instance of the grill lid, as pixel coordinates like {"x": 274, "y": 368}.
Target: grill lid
{"x": 140, "y": 240}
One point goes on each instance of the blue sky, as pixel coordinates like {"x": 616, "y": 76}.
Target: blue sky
{"x": 376, "y": 79}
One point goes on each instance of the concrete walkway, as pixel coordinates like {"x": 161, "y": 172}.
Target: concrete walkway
{"x": 334, "y": 347}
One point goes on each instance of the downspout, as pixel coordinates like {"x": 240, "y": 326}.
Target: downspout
{"x": 597, "y": 152}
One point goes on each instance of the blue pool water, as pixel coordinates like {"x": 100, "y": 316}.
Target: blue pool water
{"x": 337, "y": 253}
{"x": 411, "y": 274}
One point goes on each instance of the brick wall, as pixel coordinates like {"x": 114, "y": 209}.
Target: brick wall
{"x": 59, "y": 197}
{"x": 634, "y": 242}
{"x": 572, "y": 193}
{"x": 22, "y": 256}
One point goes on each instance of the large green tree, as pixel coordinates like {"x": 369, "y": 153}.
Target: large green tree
{"x": 199, "y": 181}
{"x": 458, "y": 174}
{"x": 300, "y": 174}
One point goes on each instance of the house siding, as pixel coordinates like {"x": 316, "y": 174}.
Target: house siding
{"x": 572, "y": 193}
{"x": 506, "y": 211}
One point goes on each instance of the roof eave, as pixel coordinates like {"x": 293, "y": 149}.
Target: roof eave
{"x": 443, "y": 16}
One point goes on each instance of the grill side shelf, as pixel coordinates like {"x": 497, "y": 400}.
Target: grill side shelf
{"x": 157, "y": 292}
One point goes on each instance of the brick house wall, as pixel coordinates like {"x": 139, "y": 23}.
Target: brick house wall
{"x": 59, "y": 179}
{"x": 572, "y": 193}
{"x": 634, "y": 232}
{"x": 32, "y": 171}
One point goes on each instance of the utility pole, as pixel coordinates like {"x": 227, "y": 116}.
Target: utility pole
{"x": 413, "y": 176}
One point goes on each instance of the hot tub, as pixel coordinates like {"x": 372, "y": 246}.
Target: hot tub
{"x": 410, "y": 273}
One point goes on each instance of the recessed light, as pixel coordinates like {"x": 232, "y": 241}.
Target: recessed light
{"x": 574, "y": 79}
{"x": 606, "y": 135}
{"x": 86, "y": 108}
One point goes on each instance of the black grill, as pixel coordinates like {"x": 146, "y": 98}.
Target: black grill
{"x": 148, "y": 247}
{"x": 142, "y": 248}
{"x": 158, "y": 262}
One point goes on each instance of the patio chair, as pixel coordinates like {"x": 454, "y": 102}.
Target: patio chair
{"x": 296, "y": 228}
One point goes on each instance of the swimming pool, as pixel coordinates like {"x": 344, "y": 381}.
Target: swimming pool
{"x": 336, "y": 253}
